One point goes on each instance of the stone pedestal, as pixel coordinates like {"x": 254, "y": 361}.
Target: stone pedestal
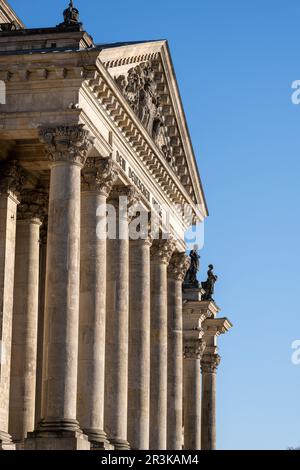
{"x": 67, "y": 148}
{"x": 97, "y": 179}
{"x": 139, "y": 345}
{"x": 161, "y": 253}
{"x": 9, "y": 182}
{"x": 57, "y": 441}
{"x": 25, "y": 318}
{"x": 176, "y": 273}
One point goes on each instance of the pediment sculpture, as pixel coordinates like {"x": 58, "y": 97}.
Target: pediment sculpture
{"x": 140, "y": 90}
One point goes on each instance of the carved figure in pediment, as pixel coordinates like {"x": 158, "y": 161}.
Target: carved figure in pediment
{"x": 140, "y": 90}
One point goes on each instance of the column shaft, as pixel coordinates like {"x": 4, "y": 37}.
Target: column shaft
{"x": 91, "y": 370}
{"x": 139, "y": 345}
{"x": 209, "y": 365}
{"x": 41, "y": 330}
{"x": 24, "y": 337}
{"x": 161, "y": 253}
{"x": 116, "y": 354}
{"x": 175, "y": 365}
{"x": 8, "y": 215}
{"x": 192, "y": 404}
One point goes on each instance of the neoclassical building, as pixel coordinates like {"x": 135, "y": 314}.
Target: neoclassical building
{"x": 102, "y": 345}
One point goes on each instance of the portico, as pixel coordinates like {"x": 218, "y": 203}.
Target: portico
{"x": 101, "y": 347}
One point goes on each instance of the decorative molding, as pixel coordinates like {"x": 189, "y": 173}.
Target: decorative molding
{"x": 194, "y": 349}
{"x": 12, "y": 178}
{"x": 141, "y": 91}
{"x": 210, "y": 363}
{"x": 129, "y": 192}
{"x": 34, "y": 205}
{"x": 174, "y": 183}
{"x": 66, "y": 143}
{"x": 178, "y": 266}
{"x": 162, "y": 250}
{"x": 99, "y": 174}
{"x": 131, "y": 60}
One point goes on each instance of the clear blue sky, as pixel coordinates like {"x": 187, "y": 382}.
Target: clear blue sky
{"x": 235, "y": 62}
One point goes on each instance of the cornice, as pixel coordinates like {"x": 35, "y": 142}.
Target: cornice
{"x": 96, "y": 80}
{"x": 216, "y": 326}
{"x": 10, "y": 14}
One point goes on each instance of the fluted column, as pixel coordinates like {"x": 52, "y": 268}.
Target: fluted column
{"x": 193, "y": 351}
{"x": 209, "y": 365}
{"x": 139, "y": 344}
{"x": 176, "y": 273}
{"x": 98, "y": 177}
{"x": 25, "y": 316}
{"x": 161, "y": 253}
{"x": 116, "y": 354}
{"x": 10, "y": 179}
{"x": 67, "y": 149}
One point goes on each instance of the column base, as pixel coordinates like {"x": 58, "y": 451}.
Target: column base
{"x": 57, "y": 434}
{"x": 98, "y": 439}
{"x": 60, "y": 440}
{"x": 6, "y": 442}
{"x": 119, "y": 444}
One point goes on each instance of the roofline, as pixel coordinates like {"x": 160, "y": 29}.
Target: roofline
{"x": 10, "y": 13}
{"x": 187, "y": 128}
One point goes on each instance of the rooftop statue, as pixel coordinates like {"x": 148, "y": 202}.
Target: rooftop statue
{"x": 209, "y": 285}
{"x": 71, "y": 15}
{"x": 191, "y": 275}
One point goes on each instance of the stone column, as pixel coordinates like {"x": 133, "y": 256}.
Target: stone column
{"x": 139, "y": 344}
{"x": 10, "y": 179}
{"x": 192, "y": 394}
{"x": 25, "y": 316}
{"x": 117, "y": 311}
{"x": 41, "y": 318}
{"x": 98, "y": 177}
{"x": 67, "y": 148}
{"x": 176, "y": 273}
{"x": 213, "y": 327}
{"x": 161, "y": 253}
{"x": 209, "y": 365}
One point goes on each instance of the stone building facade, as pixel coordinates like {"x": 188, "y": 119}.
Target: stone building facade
{"x": 101, "y": 346}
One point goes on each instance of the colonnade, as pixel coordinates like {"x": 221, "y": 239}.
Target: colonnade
{"x": 95, "y": 349}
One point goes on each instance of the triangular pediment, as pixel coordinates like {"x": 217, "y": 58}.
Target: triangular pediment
{"x": 144, "y": 74}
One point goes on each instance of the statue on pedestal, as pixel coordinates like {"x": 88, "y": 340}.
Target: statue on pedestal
{"x": 209, "y": 285}
{"x": 191, "y": 280}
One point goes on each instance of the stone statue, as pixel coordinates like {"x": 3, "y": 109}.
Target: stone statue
{"x": 209, "y": 285}
{"x": 139, "y": 87}
{"x": 71, "y": 15}
{"x": 191, "y": 275}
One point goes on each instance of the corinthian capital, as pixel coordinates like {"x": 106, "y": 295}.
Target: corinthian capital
{"x": 66, "y": 143}
{"x": 99, "y": 174}
{"x": 11, "y": 177}
{"x": 210, "y": 363}
{"x": 178, "y": 266}
{"x": 162, "y": 250}
{"x": 194, "y": 349}
{"x": 33, "y": 205}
